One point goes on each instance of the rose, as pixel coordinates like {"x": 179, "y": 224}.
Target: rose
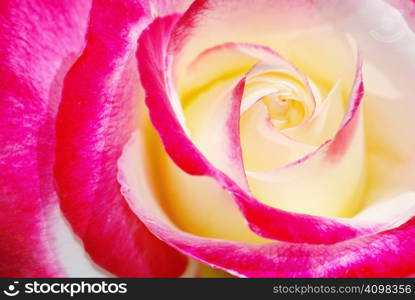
{"x": 297, "y": 114}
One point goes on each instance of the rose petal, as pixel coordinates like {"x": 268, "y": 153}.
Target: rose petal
{"x": 204, "y": 121}
{"x": 388, "y": 44}
{"x": 202, "y": 88}
{"x": 160, "y": 8}
{"x": 95, "y": 119}
{"x": 337, "y": 165}
{"x": 263, "y": 146}
{"x": 323, "y": 125}
{"x": 387, "y": 254}
{"x": 210, "y": 111}
{"x": 264, "y": 220}
{"x": 39, "y": 42}
{"x": 196, "y": 204}
{"x": 290, "y": 27}
{"x": 219, "y": 145}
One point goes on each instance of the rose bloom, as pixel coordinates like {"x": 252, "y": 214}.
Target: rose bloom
{"x": 266, "y": 138}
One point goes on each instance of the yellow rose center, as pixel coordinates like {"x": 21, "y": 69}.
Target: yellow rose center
{"x": 284, "y": 116}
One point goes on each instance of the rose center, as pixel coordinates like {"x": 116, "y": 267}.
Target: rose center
{"x": 288, "y": 100}
{"x": 283, "y": 112}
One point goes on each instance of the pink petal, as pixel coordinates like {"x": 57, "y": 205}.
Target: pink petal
{"x": 95, "y": 120}
{"x": 165, "y": 7}
{"x": 387, "y": 254}
{"x": 39, "y": 42}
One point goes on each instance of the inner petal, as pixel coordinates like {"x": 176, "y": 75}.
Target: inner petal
{"x": 283, "y": 112}
{"x": 196, "y": 204}
{"x": 324, "y": 124}
{"x": 283, "y": 119}
{"x": 265, "y": 148}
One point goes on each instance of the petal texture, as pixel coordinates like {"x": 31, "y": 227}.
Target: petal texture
{"x": 95, "y": 120}
{"x": 39, "y": 42}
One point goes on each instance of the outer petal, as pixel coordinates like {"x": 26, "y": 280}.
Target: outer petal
{"x": 387, "y": 254}
{"x": 388, "y": 44}
{"x": 95, "y": 119}
{"x": 39, "y": 42}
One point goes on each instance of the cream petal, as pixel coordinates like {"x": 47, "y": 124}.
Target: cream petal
{"x": 325, "y": 122}
{"x": 387, "y": 42}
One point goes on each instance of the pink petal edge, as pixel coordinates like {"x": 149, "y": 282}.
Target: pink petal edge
{"x": 387, "y": 254}
{"x": 39, "y": 42}
{"x": 95, "y": 120}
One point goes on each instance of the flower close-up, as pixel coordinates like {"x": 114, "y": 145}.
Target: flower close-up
{"x": 207, "y": 138}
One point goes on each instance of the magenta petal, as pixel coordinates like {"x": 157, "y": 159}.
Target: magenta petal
{"x": 39, "y": 42}
{"x": 387, "y": 254}
{"x": 95, "y": 120}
